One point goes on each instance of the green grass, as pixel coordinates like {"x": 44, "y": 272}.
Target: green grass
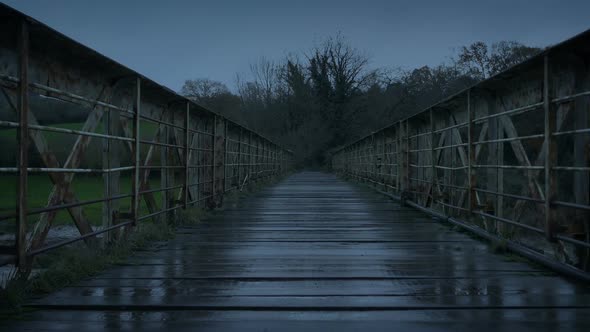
{"x": 64, "y": 266}
{"x": 84, "y": 186}
{"x": 67, "y": 265}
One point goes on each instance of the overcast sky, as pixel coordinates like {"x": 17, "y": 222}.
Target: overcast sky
{"x": 174, "y": 40}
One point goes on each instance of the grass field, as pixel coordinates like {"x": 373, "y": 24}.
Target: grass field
{"x": 84, "y": 186}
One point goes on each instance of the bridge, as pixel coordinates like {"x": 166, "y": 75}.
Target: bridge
{"x": 471, "y": 214}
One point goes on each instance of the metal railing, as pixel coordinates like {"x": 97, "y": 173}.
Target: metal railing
{"x": 146, "y": 133}
{"x": 509, "y": 155}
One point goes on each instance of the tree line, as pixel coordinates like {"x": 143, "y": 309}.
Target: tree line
{"x": 329, "y": 96}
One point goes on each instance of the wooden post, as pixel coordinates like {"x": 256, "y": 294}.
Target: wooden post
{"x": 23, "y": 145}
{"x": 551, "y": 154}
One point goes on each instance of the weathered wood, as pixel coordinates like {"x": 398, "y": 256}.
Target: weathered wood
{"x": 321, "y": 258}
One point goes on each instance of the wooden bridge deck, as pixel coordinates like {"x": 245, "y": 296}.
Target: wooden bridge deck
{"x": 317, "y": 253}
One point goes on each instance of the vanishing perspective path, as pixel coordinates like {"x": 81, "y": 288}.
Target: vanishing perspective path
{"x": 316, "y": 253}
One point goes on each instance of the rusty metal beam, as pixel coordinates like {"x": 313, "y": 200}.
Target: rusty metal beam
{"x": 23, "y": 143}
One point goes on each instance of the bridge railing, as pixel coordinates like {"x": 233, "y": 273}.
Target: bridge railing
{"x": 509, "y": 155}
{"x": 87, "y": 140}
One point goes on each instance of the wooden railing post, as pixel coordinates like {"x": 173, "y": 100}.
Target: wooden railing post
{"x": 23, "y": 145}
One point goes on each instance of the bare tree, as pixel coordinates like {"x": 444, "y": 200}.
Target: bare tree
{"x": 337, "y": 66}
{"x": 482, "y": 61}
{"x": 202, "y": 89}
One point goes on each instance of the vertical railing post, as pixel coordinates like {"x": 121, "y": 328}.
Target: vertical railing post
{"x": 407, "y": 156}
{"x": 250, "y": 156}
{"x": 470, "y": 158}
{"x": 240, "y": 140}
{"x": 550, "y": 156}
{"x": 137, "y": 156}
{"x": 186, "y": 154}
{"x": 432, "y": 161}
{"x": 386, "y": 161}
{"x": 226, "y": 157}
{"x": 23, "y": 144}
{"x": 373, "y": 159}
{"x": 401, "y": 159}
{"x": 219, "y": 161}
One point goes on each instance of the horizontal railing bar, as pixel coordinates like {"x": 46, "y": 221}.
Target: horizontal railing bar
{"x": 64, "y": 170}
{"x": 418, "y": 135}
{"x": 85, "y": 236}
{"x": 10, "y": 124}
{"x": 509, "y": 112}
{"x": 66, "y": 206}
{"x": 519, "y": 197}
{"x": 571, "y": 205}
{"x": 511, "y": 222}
{"x": 570, "y": 97}
{"x": 161, "y": 144}
{"x": 159, "y": 189}
{"x": 510, "y": 167}
{"x": 68, "y": 94}
{"x": 451, "y": 127}
{"x": 159, "y": 166}
{"x": 145, "y": 117}
{"x": 572, "y": 241}
{"x": 509, "y": 139}
{"x": 451, "y": 168}
{"x": 450, "y": 146}
{"x": 576, "y": 131}
{"x": 451, "y": 205}
{"x": 571, "y": 168}
{"x": 419, "y": 166}
{"x": 200, "y": 132}
{"x": 452, "y": 186}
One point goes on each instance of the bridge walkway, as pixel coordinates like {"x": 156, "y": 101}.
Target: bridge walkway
{"x": 316, "y": 253}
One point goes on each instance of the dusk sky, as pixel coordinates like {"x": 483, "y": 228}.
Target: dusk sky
{"x": 174, "y": 40}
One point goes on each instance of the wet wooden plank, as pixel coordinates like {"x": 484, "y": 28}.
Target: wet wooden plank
{"x": 315, "y": 252}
